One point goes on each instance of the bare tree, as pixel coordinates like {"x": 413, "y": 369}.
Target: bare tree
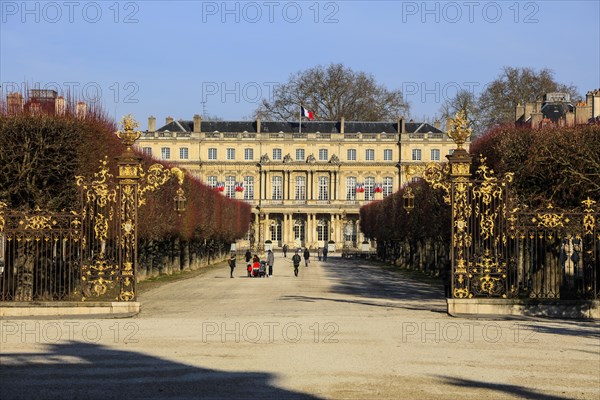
{"x": 333, "y": 92}
{"x": 516, "y": 85}
{"x": 463, "y": 101}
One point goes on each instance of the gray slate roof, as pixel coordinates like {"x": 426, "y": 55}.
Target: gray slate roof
{"x": 186, "y": 127}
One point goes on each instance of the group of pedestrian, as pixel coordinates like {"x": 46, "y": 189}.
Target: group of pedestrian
{"x": 322, "y": 253}
{"x": 253, "y": 261}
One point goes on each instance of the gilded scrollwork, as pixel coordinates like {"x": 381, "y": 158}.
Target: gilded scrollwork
{"x": 99, "y": 277}
{"x": 2, "y": 217}
{"x": 550, "y": 219}
{"x": 589, "y": 221}
{"x": 437, "y": 175}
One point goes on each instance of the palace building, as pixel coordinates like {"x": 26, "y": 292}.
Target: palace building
{"x": 305, "y": 183}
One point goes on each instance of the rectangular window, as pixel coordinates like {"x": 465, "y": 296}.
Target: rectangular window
{"x": 351, "y": 155}
{"x": 248, "y": 188}
{"x": 435, "y": 155}
{"x": 388, "y": 186}
{"x": 248, "y": 154}
{"x": 369, "y": 188}
{"x": 387, "y": 155}
{"x": 300, "y": 188}
{"x": 230, "y": 186}
{"x": 370, "y": 155}
{"x": 183, "y": 153}
{"x": 323, "y": 153}
{"x": 165, "y": 153}
{"x": 231, "y": 154}
{"x": 147, "y": 151}
{"x": 277, "y": 192}
{"x": 416, "y": 154}
{"x": 323, "y": 188}
{"x": 351, "y": 188}
{"x": 212, "y": 154}
{"x": 276, "y": 154}
{"x": 299, "y": 154}
{"x": 211, "y": 181}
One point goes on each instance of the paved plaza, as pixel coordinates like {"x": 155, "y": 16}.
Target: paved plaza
{"x": 343, "y": 329}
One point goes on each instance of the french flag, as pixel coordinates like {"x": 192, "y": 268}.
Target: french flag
{"x": 308, "y": 114}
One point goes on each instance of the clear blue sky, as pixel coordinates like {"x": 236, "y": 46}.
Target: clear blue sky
{"x": 168, "y": 57}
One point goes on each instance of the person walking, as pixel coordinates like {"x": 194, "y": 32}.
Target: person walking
{"x": 270, "y": 261}
{"x": 285, "y": 249}
{"x": 325, "y": 251}
{"x": 319, "y": 252}
{"x": 306, "y": 257}
{"x": 231, "y": 263}
{"x": 296, "y": 261}
{"x": 248, "y": 256}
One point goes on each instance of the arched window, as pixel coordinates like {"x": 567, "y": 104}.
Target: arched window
{"x": 277, "y": 188}
{"x": 351, "y": 188}
{"x": 248, "y": 188}
{"x": 300, "y": 188}
{"x": 230, "y": 186}
{"x": 323, "y": 230}
{"x": 323, "y": 188}
{"x": 369, "y": 188}
{"x": 388, "y": 186}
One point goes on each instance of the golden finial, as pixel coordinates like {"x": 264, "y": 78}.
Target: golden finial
{"x": 459, "y": 129}
{"x": 129, "y": 134}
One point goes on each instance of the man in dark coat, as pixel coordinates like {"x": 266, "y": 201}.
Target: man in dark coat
{"x": 306, "y": 257}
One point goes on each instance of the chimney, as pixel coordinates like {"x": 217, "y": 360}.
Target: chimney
{"x": 448, "y": 123}
{"x": 342, "y": 123}
{"x": 197, "y": 123}
{"x": 528, "y": 110}
{"x": 151, "y": 124}
{"x": 436, "y": 124}
{"x": 401, "y": 125}
{"x": 168, "y": 120}
{"x": 14, "y": 102}
{"x": 596, "y": 104}
{"x": 81, "y": 110}
{"x": 258, "y": 121}
{"x": 519, "y": 111}
{"x": 60, "y": 106}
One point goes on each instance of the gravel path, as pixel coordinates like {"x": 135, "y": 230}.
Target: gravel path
{"x": 341, "y": 330}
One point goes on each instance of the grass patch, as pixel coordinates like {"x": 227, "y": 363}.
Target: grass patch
{"x": 163, "y": 279}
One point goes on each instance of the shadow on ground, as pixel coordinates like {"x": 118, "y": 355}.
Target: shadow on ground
{"x": 358, "y": 278}
{"x": 514, "y": 390}
{"x": 77, "y": 370}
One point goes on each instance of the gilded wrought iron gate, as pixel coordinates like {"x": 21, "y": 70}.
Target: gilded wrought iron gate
{"x": 40, "y": 255}
{"x": 90, "y": 252}
{"x": 503, "y": 249}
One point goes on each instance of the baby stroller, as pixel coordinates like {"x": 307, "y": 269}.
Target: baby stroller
{"x": 262, "y": 270}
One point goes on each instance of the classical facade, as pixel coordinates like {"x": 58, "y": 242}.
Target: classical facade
{"x": 305, "y": 183}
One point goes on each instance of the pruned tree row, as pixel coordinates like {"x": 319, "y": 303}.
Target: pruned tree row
{"x": 42, "y": 153}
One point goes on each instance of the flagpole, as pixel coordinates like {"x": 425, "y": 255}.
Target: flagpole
{"x": 300, "y": 119}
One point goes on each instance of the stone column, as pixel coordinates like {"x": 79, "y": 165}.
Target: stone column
{"x": 267, "y": 229}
